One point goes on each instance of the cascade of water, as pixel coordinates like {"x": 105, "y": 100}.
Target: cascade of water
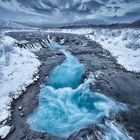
{"x": 66, "y": 106}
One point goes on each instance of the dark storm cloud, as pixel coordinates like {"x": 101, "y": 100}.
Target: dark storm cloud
{"x": 64, "y": 11}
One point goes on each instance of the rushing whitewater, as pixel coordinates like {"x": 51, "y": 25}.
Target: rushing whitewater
{"x": 66, "y": 105}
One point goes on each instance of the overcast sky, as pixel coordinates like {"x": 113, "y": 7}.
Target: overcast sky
{"x": 67, "y": 11}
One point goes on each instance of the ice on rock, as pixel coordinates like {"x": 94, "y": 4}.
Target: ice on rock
{"x": 4, "y": 130}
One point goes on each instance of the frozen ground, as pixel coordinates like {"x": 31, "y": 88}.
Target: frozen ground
{"x": 124, "y": 44}
{"x": 114, "y": 81}
{"x": 17, "y": 69}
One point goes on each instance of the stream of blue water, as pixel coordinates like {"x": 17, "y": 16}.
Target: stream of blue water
{"x": 66, "y": 105}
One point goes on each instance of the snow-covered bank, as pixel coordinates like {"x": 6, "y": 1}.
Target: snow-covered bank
{"x": 17, "y": 69}
{"x": 124, "y": 44}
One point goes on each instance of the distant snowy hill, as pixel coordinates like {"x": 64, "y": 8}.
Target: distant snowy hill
{"x": 88, "y": 23}
{"x": 6, "y": 24}
{"x": 91, "y": 21}
{"x": 136, "y": 23}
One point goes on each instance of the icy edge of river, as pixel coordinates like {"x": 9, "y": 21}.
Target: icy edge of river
{"x": 18, "y": 69}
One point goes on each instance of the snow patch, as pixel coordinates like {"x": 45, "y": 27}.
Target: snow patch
{"x": 4, "y": 131}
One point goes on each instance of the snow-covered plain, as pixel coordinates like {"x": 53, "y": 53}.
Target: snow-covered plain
{"x": 18, "y": 68}
{"x": 123, "y": 44}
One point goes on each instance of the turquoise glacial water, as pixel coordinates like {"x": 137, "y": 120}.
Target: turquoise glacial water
{"x": 68, "y": 74}
{"x": 66, "y": 105}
